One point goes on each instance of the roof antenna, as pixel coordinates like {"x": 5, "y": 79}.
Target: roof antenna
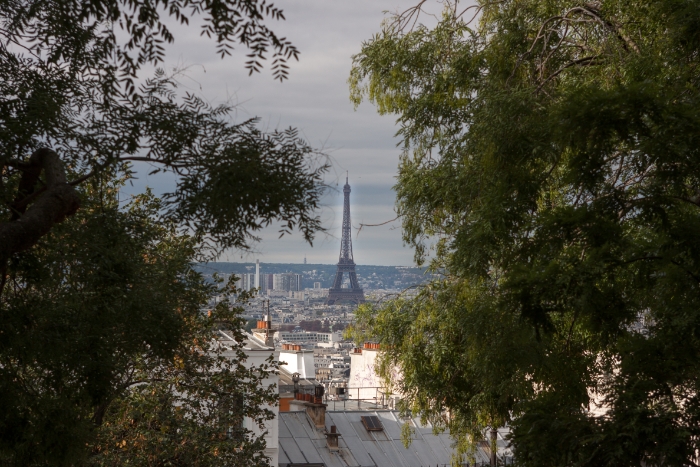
{"x": 346, "y": 177}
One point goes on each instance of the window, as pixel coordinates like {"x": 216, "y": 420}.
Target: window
{"x": 372, "y": 423}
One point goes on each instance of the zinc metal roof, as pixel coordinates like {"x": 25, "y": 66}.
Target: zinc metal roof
{"x": 300, "y": 442}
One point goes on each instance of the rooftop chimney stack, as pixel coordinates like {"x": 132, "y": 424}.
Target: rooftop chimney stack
{"x": 264, "y": 332}
{"x": 332, "y": 439}
{"x": 316, "y": 409}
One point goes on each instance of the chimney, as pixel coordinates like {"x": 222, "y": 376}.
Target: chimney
{"x": 332, "y": 439}
{"x": 316, "y": 409}
{"x": 264, "y": 332}
{"x": 317, "y": 414}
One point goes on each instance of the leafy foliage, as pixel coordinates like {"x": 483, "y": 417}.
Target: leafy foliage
{"x": 193, "y": 410}
{"x": 550, "y": 174}
{"x": 130, "y": 33}
{"x": 70, "y": 82}
{"x": 103, "y": 341}
{"x": 106, "y": 357}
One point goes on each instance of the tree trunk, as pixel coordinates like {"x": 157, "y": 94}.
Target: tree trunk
{"x": 494, "y": 447}
{"x": 53, "y": 204}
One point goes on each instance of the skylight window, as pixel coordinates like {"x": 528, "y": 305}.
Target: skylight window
{"x": 372, "y": 423}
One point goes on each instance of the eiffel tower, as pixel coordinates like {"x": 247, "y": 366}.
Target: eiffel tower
{"x": 346, "y": 263}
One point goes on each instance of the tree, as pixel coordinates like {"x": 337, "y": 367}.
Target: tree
{"x": 192, "y": 410}
{"x": 550, "y": 177}
{"x": 338, "y": 327}
{"x": 311, "y": 325}
{"x": 250, "y": 325}
{"x": 101, "y": 313}
{"x": 72, "y": 94}
{"x": 104, "y": 344}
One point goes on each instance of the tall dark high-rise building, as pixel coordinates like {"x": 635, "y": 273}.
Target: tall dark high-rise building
{"x": 346, "y": 263}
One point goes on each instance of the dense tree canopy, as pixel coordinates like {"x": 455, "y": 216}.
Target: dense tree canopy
{"x": 106, "y": 356}
{"x": 107, "y": 353}
{"x": 551, "y": 177}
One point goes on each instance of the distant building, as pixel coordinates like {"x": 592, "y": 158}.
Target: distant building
{"x": 316, "y": 293}
{"x": 331, "y": 361}
{"x": 298, "y": 295}
{"x": 265, "y": 283}
{"x": 306, "y": 336}
{"x": 286, "y": 282}
{"x": 247, "y": 282}
{"x": 257, "y": 273}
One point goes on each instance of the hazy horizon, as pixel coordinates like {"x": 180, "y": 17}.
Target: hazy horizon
{"x": 315, "y": 264}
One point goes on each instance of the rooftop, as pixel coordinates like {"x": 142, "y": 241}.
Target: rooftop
{"x": 359, "y": 447}
{"x": 286, "y": 384}
{"x": 251, "y": 343}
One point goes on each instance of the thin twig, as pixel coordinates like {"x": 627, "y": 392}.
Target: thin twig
{"x": 375, "y": 225}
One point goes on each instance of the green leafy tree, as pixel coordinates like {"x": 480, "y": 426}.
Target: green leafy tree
{"x": 338, "y": 326}
{"x": 105, "y": 345}
{"x": 192, "y": 409}
{"x": 551, "y": 177}
{"x": 102, "y": 341}
{"x": 250, "y": 325}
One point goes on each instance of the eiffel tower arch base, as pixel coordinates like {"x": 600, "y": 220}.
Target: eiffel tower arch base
{"x": 335, "y": 297}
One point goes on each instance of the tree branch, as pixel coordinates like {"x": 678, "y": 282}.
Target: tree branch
{"x": 57, "y": 201}
{"x": 692, "y": 201}
{"x": 593, "y": 8}
{"x": 581, "y": 61}
{"x": 375, "y": 225}
{"x": 172, "y": 164}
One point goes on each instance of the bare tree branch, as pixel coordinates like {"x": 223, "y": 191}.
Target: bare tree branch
{"x": 375, "y": 225}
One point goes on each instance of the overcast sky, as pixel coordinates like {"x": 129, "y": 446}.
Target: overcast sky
{"x": 314, "y": 100}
